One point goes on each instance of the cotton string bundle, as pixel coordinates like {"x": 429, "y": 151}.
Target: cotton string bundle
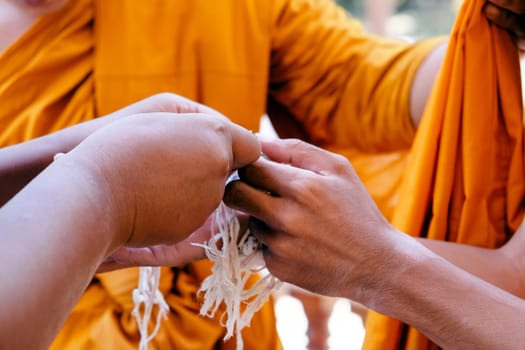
{"x": 148, "y": 295}
{"x": 236, "y": 257}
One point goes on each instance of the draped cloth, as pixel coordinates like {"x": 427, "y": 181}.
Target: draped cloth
{"x": 94, "y": 56}
{"x": 48, "y": 81}
{"x": 465, "y": 177}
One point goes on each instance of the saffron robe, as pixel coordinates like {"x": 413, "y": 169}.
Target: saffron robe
{"x": 465, "y": 180}
{"x": 347, "y": 90}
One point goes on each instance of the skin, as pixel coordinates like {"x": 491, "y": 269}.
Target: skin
{"x": 20, "y": 163}
{"x": 508, "y": 14}
{"x": 143, "y": 180}
{"x": 19, "y": 169}
{"x": 322, "y": 231}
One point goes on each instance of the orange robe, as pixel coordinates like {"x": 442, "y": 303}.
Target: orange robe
{"x": 347, "y": 90}
{"x": 466, "y": 178}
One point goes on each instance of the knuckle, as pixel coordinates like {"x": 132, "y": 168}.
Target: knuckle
{"x": 341, "y": 164}
{"x": 307, "y": 189}
{"x": 295, "y": 146}
{"x": 289, "y": 220}
{"x": 293, "y": 142}
{"x": 232, "y": 194}
{"x": 163, "y": 99}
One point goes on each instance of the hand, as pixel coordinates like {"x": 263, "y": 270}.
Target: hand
{"x": 319, "y": 226}
{"x": 177, "y": 254}
{"x": 508, "y": 14}
{"x": 163, "y": 173}
{"x": 165, "y": 102}
{"x": 20, "y": 163}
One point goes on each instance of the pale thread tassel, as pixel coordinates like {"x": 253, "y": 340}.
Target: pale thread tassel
{"x": 235, "y": 260}
{"x": 148, "y": 295}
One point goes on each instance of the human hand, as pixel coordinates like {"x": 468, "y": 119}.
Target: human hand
{"x": 163, "y": 173}
{"x": 319, "y": 226}
{"x": 163, "y": 102}
{"x": 177, "y": 254}
{"x": 508, "y": 14}
{"x": 20, "y": 163}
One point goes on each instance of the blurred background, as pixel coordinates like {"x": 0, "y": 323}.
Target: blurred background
{"x": 409, "y": 19}
{"x": 337, "y": 324}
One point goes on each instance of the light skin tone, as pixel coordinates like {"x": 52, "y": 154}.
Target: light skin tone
{"x": 30, "y": 160}
{"x": 144, "y": 180}
{"x": 322, "y": 231}
{"x": 20, "y": 166}
{"x": 22, "y": 162}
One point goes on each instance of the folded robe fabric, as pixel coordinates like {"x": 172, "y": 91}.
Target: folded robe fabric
{"x": 94, "y": 56}
{"x": 465, "y": 178}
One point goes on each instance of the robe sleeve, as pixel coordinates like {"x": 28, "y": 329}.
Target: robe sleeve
{"x": 345, "y": 87}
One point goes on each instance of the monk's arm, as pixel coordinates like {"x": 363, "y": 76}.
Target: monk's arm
{"x": 22, "y": 162}
{"x": 344, "y": 87}
{"x": 424, "y": 81}
{"x": 503, "y": 267}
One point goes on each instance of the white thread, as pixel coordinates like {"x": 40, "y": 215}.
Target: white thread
{"x": 148, "y": 294}
{"x": 235, "y": 260}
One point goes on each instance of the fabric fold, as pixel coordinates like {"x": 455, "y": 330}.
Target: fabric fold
{"x": 465, "y": 178}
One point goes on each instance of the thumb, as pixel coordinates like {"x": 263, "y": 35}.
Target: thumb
{"x": 302, "y": 155}
{"x": 245, "y": 146}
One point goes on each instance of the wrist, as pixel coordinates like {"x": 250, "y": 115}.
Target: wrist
{"x": 388, "y": 272}
{"x": 89, "y": 181}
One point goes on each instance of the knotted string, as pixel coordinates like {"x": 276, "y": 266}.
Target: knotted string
{"x": 235, "y": 260}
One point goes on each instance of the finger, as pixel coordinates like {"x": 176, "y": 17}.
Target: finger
{"x": 303, "y": 155}
{"x": 261, "y": 231}
{"x": 178, "y": 254}
{"x": 278, "y": 266}
{"x": 109, "y": 264}
{"x": 245, "y": 146}
{"x": 506, "y": 19}
{"x": 240, "y": 196}
{"x": 167, "y": 102}
{"x": 271, "y": 177}
{"x": 242, "y": 143}
{"x": 278, "y": 242}
{"x": 517, "y": 7}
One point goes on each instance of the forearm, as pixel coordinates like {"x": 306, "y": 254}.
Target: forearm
{"x": 452, "y": 307}
{"x": 20, "y": 163}
{"x": 491, "y": 265}
{"x": 55, "y": 233}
